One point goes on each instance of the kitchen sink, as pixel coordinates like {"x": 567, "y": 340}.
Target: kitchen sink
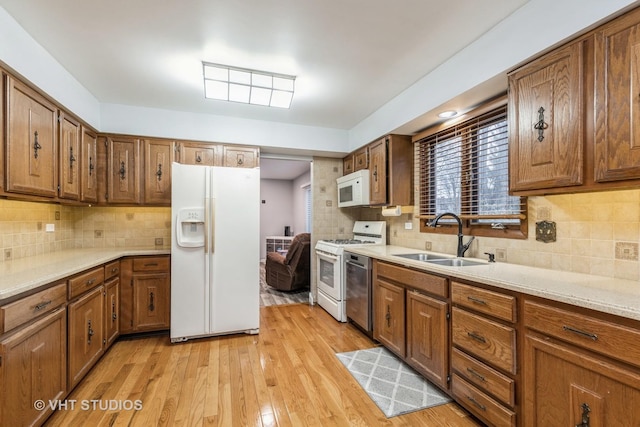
{"x": 424, "y": 257}
{"x": 456, "y": 262}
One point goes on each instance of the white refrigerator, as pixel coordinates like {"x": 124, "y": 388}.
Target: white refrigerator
{"x": 215, "y": 252}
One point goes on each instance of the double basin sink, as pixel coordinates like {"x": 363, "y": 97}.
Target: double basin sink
{"x": 441, "y": 260}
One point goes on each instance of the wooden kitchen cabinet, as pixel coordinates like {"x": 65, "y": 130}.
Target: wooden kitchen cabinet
{"x": 617, "y": 137}
{"x": 356, "y": 161}
{"x": 86, "y": 333}
{"x": 33, "y": 366}
{"x": 389, "y": 316}
{"x": 69, "y": 158}
{"x": 197, "y": 153}
{"x": 428, "y": 336}
{"x": 347, "y": 165}
{"x": 111, "y": 302}
{"x": 235, "y": 156}
{"x": 572, "y": 368}
{"x": 158, "y": 156}
{"x": 88, "y": 166}
{"x": 391, "y": 171}
{"x": 145, "y": 294}
{"x": 546, "y": 131}
{"x": 31, "y": 141}
{"x": 483, "y": 354}
{"x": 123, "y": 170}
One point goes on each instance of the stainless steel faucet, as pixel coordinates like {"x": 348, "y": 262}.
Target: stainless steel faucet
{"x": 462, "y": 247}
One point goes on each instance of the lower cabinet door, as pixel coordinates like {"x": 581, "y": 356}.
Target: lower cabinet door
{"x": 33, "y": 370}
{"x": 86, "y": 333}
{"x": 151, "y": 307}
{"x": 428, "y": 336}
{"x": 389, "y": 316}
{"x": 565, "y": 386}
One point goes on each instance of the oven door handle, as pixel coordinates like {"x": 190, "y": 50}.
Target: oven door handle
{"x": 327, "y": 256}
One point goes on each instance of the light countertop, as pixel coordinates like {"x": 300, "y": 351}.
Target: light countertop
{"x": 614, "y": 296}
{"x": 26, "y": 274}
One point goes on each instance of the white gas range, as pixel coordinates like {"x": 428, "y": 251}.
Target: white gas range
{"x": 330, "y": 264}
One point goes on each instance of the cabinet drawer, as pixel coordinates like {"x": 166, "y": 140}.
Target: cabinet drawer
{"x": 491, "y": 341}
{"x": 111, "y": 269}
{"x": 85, "y": 281}
{"x": 484, "y": 377}
{"x": 488, "y": 302}
{"x": 425, "y": 282}
{"x": 151, "y": 264}
{"x": 613, "y": 340}
{"x": 28, "y": 308}
{"x": 484, "y": 407}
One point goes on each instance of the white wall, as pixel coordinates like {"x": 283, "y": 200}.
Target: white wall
{"x": 277, "y": 209}
{"x": 299, "y": 211}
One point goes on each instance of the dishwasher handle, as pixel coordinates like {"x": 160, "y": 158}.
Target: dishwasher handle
{"x": 357, "y": 264}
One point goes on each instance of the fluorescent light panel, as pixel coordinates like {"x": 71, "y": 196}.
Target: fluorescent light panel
{"x": 247, "y": 86}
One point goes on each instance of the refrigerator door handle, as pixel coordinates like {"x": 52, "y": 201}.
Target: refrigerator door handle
{"x": 206, "y": 225}
{"x": 213, "y": 225}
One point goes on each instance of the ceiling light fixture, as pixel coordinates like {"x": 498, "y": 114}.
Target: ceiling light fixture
{"x": 447, "y": 114}
{"x": 248, "y": 86}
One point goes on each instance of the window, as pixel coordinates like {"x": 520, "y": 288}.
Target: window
{"x": 464, "y": 170}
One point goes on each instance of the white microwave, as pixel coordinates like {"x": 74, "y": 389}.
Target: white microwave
{"x": 353, "y": 189}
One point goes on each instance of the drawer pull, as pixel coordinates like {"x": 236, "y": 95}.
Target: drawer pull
{"x": 114, "y": 270}
{"x": 151, "y": 264}
{"x": 476, "y": 403}
{"x": 42, "y": 305}
{"x": 579, "y": 332}
{"x": 90, "y": 282}
{"x": 477, "y": 337}
{"x": 476, "y": 300}
{"x": 477, "y": 375}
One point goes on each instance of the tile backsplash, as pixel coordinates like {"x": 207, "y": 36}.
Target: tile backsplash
{"x": 23, "y": 227}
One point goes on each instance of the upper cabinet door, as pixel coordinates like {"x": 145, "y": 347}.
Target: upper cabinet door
{"x": 31, "y": 142}
{"x": 123, "y": 171}
{"x": 193, "y": 153}
{"x": 70, "y": 158}
{"x": 545, "y": 121}
{"x": 240, "y": 157}
{"x": 617, "y": 78}
{"x": 378, "y": 172}
{"x": 158, "y": 156}
{"x": 88, "y": 166}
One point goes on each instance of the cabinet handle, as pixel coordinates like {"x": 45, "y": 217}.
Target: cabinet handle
{"x": 375, "y": 173}
{"x": 151, "y": 264}
{"x": 476, "y": 300}
{"x": 36, "y": 145}
{"x": 42, "y": 305}
{"x": 72, "y": 158}
{"x": 123, "y": 171}
{"x": 585, "y": 416}
{"x": 114, "y": 270}
{"x": 540, "y": 126}
{"x": 198, "y": 158}
{"x": 240, "y": 160}
{"x": 152, "y": 306}
{"x": 91, "y": 167}
{"x": 477, "y": 375}
{"x": 114, "y": 316}
{"x": 477, "y": 404}
{"x": 477, "y": 337}
{"x": 579, "y": 332}
{"x": 159, "y": 172}
{"x": 388, "y": 316}
{"x": 90, "y": 282}
{"x": 89, "y": 332}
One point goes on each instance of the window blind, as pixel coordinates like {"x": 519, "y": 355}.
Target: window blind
{"x": 464, "y": 170}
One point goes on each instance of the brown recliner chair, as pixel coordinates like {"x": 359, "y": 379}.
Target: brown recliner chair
{"x": 293, "y": 271}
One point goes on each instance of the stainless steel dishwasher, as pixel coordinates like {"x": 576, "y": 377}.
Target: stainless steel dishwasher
{"x": 357, "y": 273}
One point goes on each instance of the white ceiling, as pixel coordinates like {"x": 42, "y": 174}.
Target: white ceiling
{"x": 350, "y": 56}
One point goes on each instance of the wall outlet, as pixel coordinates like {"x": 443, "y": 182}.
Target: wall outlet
{"x": 50, "y": 228}
{"x": 58, "y": 215}
{"x": 501, "y": 254}
{"x": 427, "y": 246}
{"x": 328, "y": 203}
{"x": 159, "y": 241}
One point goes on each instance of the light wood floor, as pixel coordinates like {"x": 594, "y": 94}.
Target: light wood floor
{"x": 287, "y": 375}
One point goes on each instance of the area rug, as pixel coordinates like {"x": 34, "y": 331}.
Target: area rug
{"x": 390, "y": 383}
